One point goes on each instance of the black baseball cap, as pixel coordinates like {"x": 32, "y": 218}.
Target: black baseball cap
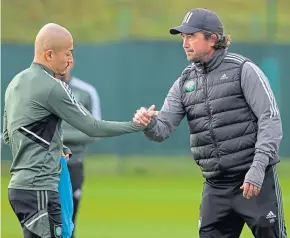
{"x": 199, "y": 19}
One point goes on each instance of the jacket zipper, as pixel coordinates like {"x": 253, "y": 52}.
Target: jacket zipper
{"x": 210, "y": 116}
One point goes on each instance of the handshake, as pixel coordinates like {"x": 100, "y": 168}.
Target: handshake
{"x": 144, "y": 116}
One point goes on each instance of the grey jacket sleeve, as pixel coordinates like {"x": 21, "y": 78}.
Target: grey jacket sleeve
{"x": 74, "y": 136}
{"x": 169, "y": 117}
{"x": 62, "y": 103}
{"x": 259, "y": 96}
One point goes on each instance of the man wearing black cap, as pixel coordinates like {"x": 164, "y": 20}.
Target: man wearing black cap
{"x": 235, "y": 131}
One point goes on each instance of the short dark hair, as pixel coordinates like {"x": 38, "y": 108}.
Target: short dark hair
{"x": 222, "y": 41}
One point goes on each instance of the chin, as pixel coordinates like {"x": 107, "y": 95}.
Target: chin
{"x": 63, "y": 73}
{"x": 191, "y": 59}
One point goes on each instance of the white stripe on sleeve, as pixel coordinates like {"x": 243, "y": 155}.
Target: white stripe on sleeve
{"x": 266, "y": 86}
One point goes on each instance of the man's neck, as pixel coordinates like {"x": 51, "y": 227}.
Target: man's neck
{"x": 213, "y": 60}
{"x": 42, "y": 62}
{"x": 44, "y": 65}
{"x": 206, "y": 58}
{"x": 209, "y": 56}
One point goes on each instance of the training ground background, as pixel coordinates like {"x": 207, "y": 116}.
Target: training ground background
{"x": 137, "y": 197}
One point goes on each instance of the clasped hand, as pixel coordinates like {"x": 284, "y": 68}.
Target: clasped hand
{"x": 144, "y": 116}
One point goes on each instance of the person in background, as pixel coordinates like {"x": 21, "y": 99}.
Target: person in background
{"x": 76, "y": 140}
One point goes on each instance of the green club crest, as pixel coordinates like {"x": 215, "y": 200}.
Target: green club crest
{"x": 189, "y": 86}
{"x": 57, "y": 230}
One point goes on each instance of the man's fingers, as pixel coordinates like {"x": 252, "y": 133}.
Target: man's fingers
{"x": 151, "y": 108}
{"x": 65, "y": 156}
{"x": 147, "y": 112}
{"x": 139, "y": 118}
{"x": 152, "y": 113}
{"x": 140, "y": 110}
{"x": 246, "y": 189}
{"x": 143, "y": 116}
{"x": 256, "y": 190}
{"x": 251, "y": 190}
{"x": 147, "y": 115}
{"x": 143, "y": 113}
{"x": 136, "y": 121}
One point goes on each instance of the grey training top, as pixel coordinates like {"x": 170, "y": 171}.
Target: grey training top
{"x": 258, "y": 95}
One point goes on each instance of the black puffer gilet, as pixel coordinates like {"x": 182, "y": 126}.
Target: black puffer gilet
{"x": 223, "y": 128}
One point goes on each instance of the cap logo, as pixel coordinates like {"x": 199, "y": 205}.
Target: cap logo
{"x": 187, "y": 18}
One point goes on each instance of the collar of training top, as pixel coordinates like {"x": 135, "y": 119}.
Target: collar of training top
{"x": 214, "y": 62}
{"x": 41, "y": 66}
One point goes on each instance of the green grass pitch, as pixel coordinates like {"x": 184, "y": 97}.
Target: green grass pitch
{"x": 137, "y": 197}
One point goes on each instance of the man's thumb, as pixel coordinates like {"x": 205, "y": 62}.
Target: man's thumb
{"x": 151, "y": 108}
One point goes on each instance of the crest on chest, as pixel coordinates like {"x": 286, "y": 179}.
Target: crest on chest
{"x": 189, "y": 86}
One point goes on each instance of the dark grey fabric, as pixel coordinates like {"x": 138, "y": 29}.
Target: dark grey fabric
{"x": 199, "y": 19}
{"x": 76, "y": 171}
{"x": 39, "y": 212}
{"x": 229, "y": 121}
{"x": 224, "y": 211}
{"x": 222, "y": 126}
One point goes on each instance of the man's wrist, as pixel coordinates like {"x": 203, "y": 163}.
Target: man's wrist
{"x": 254, "y": 182}
{"x": 256, "y": 173}
{"x": 261, "y": 159}
{"x": 152, "y": 124}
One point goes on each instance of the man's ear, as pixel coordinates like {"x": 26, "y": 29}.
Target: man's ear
{"x": 48, "y": 55}
{"x": 213, "y": 39}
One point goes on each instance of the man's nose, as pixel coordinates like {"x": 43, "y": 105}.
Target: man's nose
{"x": 185, "y": 44}
{"x": 71, "y": 60}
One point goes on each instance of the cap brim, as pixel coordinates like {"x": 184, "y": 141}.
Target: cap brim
{"x": 183, "y": 29}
